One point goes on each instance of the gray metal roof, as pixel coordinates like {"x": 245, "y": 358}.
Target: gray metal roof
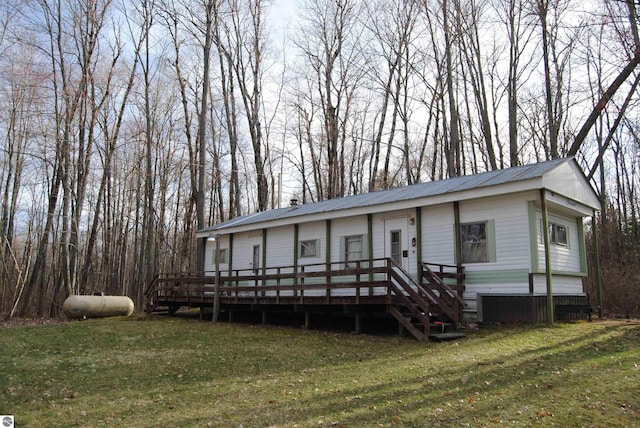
{"x": 415, "y": 191}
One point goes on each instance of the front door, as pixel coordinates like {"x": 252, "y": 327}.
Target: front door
{"x": 395, "y": 245}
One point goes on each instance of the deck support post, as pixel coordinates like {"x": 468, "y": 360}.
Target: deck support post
{"x": 418, "y": 246}
{"x": 307, "y": 320}
{"x": 458, "y": 237}
{"x": 231, "y": 314}
{"x": 547, "y": 254}
{"x": 296, "y": 231}
{"x": 216, "y": 291}
{"x": 596, "y": 262}
{"x": 369, "y": 252}
{"x": 358, "y": 325}
{"x": 264, "y": 317}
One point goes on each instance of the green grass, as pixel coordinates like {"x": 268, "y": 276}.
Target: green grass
{"x": 160, "y": 371}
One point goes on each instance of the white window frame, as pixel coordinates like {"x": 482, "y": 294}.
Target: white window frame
{"x": 350, "y": 257}
{"x": 554, "y": 234}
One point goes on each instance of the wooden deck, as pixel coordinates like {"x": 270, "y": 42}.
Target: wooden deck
{"x": 366, "y": 286}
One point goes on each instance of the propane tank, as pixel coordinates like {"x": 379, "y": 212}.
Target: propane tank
{"x": 80, "y": 306}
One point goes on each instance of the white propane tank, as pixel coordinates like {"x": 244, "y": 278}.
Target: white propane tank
{"x": 77, "y": 306}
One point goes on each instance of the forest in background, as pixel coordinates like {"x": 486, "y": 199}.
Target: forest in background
{"x": 126, "y": 126}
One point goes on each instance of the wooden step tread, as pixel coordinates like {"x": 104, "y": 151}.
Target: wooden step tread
{"x": 446, "y": 336}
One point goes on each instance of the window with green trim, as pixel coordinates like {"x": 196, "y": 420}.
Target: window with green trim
{"x": 478, "y": 242}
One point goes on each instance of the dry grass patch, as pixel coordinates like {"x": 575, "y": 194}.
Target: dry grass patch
{"x": 161, "y": 371}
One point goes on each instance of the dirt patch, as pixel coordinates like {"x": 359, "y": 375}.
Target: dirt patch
{"x": 23, "y": 322}
{"x": 616, "y": 322}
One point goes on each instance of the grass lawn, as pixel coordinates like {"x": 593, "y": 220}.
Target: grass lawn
{"x": 162, "y": 371}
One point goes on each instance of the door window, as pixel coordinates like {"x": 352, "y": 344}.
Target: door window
{"x": 396, "y": 246}
{"x": 256, "y": 257}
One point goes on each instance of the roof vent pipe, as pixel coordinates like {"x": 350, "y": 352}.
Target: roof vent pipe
{"x": 294, "y": 203}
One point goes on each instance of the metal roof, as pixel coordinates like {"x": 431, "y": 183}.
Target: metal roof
{"x": 415, "y": 191}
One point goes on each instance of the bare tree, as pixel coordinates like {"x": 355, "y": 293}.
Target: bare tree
{"x": 519, "y": 33}
{"x": 392, "y": 25}
{"x": 329, "y": 44}
{"x": 452, "y": 148}
{"x": 557, "y": 54}
{"x": 468, "y": 22}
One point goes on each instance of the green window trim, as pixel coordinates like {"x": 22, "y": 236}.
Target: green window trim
{"x": 582, "y": 247}
{"x": 561, "y": 273}
{"x": 533, "y": 236}
{"x": 484, "y": 233}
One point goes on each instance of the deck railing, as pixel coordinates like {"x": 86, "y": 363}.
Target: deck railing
{"x": 365, "y": 281}
{"x": 318, "y": 281}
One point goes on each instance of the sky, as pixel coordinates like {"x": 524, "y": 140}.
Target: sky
{"x": 282, "y": 13}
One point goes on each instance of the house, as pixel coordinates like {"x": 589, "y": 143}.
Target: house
{"x": 487, "y": 228}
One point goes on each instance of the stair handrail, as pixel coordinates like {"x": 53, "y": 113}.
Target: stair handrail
{"x": 408, "y": 284}
{"x": 152, "y": 286}
{"x": 150, "y": 292}
{"x": 418, "y": 293}
{"x": 442, "y": 286}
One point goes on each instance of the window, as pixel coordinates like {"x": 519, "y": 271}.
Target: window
{"x": 396, "y": 246}
{"x": 309, "y": 248}
{"x": 353, "y": 246}
{"x": 558, "y": 234}
{"x": 222, "y": 256}
{"x": 478, "y": 242}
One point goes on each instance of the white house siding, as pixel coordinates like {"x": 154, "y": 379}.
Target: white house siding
{"x": 347, "y": 226}
{"x": 509, "y": 273}
{"x": 309, "y": 231}
{"x": 210, "y": 248}
{"x": 511, "y": 230}
{"x": 568, "y": 180}
{"x": 313, "y": 231}
{"x": 438, "y": 241}
{"x": 279, "y": 253}
{"x": 280, "y": 247}
{"x": 563, "y": 259}
{"x": 560, "y": 284}
{"x": 243, "y": 248}
{"x": 404, "y": 220}
{"x": 407, "y": 220}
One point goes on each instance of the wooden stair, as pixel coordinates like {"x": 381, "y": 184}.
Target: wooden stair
{"x": 429, "y": 311}
{"x": 448, "y": 302}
